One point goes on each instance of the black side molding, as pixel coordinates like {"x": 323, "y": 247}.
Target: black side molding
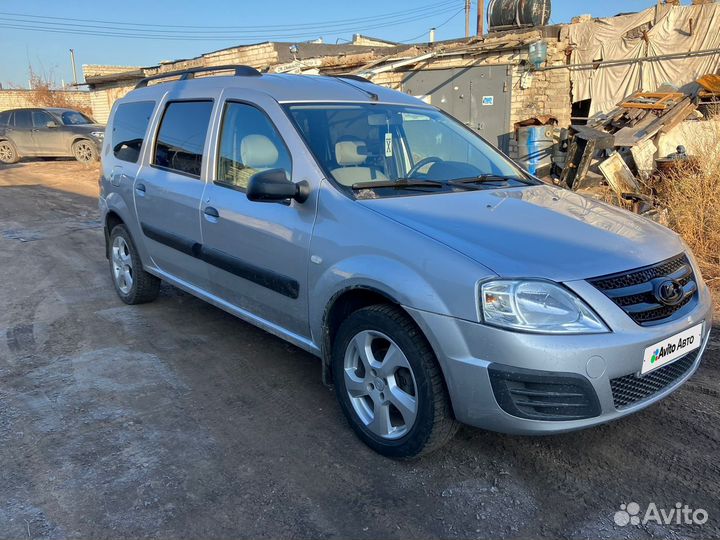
{"x": 188, "y": 247}
{"x": 261, "y": 276}
{"x": 284, "y": 285}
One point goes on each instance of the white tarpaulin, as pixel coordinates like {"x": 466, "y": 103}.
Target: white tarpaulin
{"x": 632, "y": 41}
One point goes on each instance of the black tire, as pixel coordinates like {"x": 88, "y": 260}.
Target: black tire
{"x": 8, "y": 153}
{"x": 434, "y": 424}
{"x": 85, "y": 151}
{"x": 145, "y": 287}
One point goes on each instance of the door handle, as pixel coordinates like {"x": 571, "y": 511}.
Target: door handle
{"x": 140, "y": 189}
{"x": 211, "y": 212}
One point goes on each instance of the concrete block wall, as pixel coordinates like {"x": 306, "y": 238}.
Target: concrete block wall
{"x": 101, "y": 101}
{"x": 13, "y": 99}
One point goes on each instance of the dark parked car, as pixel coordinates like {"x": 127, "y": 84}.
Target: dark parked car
{"x": 49, "y": 132}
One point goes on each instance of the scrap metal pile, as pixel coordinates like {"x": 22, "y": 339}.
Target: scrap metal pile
{"x": 615, "y": 153}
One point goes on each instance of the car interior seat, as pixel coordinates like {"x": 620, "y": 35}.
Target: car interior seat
{"x": 351, "y": 156}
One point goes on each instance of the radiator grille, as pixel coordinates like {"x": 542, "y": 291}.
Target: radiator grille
{"x": 634, "y": 291}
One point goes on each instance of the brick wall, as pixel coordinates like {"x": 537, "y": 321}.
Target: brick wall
{"x": 13, "y": 99}
{"x": 101, "y": 101}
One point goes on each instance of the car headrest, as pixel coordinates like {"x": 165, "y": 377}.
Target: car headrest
{"x": 258, "y": 152}
{"x": 350, "y": 153}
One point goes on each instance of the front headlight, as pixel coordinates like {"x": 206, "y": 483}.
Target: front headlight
{"x": 98, "y": 134}
{"x": 537, "y": 306}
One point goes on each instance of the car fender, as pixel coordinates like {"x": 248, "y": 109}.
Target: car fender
{"x": 114, "y": 202}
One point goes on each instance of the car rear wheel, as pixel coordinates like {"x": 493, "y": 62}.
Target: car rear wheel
{"x": 8, "y": 153}
{"x": 84, "y": 151}
{"x": 389, "y": 384}
{"x": 132, "y": 284}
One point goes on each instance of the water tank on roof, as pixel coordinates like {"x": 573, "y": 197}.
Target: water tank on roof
{"x": 505, "y": 14}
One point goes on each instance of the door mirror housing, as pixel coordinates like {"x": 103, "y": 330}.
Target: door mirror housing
{"x": 273, "y": 185}
{"x": 52, "y": 124}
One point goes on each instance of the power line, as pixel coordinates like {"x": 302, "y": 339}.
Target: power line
{"x": 183, "y": 29}
{"x": 216, "y": 37}
{"x": 142, "y": 34}
{"x": 110, "y": 30}
{"x": 412, "y": 39}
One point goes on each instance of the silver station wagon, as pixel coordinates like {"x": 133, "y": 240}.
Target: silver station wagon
{"x": 437, "y": 281}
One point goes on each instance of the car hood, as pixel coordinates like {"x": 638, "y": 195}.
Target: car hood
{"x": 537, "y": 231}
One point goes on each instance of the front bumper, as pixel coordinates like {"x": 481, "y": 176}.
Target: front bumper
{"x": 468, "y": 353}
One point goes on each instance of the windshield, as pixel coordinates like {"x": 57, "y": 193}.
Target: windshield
{"x": 74, "y": 118}
{"x": 387, "y": 147}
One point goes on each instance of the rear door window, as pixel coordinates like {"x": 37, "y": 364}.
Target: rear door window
{"x": 22, "y": 119}
{"x": 129, "y": 129}
{"x": 182, "y": 134}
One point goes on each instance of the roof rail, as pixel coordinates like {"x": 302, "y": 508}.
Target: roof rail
{"x": 185, "y": 74}
{"x": 352, "y": 77}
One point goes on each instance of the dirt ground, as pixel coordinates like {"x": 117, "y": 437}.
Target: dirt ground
{"x": 176, "y": 420}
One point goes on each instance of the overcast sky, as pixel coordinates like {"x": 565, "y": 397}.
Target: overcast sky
{"x": 187, "y": 29}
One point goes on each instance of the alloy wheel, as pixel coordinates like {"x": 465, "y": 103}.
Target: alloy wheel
{"x": 83, "y": 151}
{"x": 380, "y": 384}
{"x": 7, "y": 153}
{"x": 122, "y": 265}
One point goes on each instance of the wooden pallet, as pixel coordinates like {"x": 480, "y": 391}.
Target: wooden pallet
{"x": 652, "y": 100}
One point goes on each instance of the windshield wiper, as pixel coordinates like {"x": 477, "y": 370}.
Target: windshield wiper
{"x": 399, "y": 184}
{"x": 487, "y": 179}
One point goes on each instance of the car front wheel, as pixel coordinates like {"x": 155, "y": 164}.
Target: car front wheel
{"x": 389, "y": 384}
{"x": 85, "y": 151}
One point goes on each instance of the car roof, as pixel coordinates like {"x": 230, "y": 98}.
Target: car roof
{"x": 60, "y": 109}
{"x": 287, "y": 88}
{"x": 52, "y": 109}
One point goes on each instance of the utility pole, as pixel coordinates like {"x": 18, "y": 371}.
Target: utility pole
{"x": 480, "y": 17}
{"x": 72, "y": 59}
{"x": 467, "y": 18}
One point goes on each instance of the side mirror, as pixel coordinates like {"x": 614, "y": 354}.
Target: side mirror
{"x": 52, "y": 124}
{"x": 273, "y": 185}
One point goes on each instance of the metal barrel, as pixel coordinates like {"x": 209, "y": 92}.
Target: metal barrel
{"x": 515, "y": 13}
{"x": 535, "y": 148}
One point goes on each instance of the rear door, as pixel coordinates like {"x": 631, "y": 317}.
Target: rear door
{"x": 48, "y": 141}
{"x": 168, "y": 190}
{"x": 20, "y": 132}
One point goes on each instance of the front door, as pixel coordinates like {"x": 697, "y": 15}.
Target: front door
{"x": 48, "y": 141}
{"x": 168, "y": 191}
{"x": 258, "y": 252}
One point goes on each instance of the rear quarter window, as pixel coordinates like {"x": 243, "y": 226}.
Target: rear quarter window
{"x": 5, "y": 118}
{"x": 129, "y": 129}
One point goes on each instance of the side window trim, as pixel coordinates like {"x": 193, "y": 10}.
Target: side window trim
{"x": 163, "y": 108}
{"x": 216, "y": 157}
